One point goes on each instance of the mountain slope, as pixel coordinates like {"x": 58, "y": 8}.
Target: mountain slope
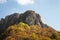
{"x": 26, "y": 26}
{"x": 23, "y": 31}
{"x": 29, "y": 17}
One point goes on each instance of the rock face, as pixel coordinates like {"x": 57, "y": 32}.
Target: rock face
{"x": 30, "y": 17}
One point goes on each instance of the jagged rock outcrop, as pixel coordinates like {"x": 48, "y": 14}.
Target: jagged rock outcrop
{"x": 30, "y": 17}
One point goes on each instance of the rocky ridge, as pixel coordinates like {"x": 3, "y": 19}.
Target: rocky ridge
{"x": 29, "y": 17}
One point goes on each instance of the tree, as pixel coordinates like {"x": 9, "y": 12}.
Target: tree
{"x": 34, "y": 36}
{"x": 45, "y": 38}
{"x": 54, "y": 36}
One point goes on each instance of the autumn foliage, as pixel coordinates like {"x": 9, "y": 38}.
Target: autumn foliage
{"x": 23, "y": 31}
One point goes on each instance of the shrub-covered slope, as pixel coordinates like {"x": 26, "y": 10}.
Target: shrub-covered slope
{"x": 29, "y": 17}
{"x": 26, "y": 26}
{"x": 23, "y": 31}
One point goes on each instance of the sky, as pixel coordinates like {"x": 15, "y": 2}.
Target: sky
{"x": 49, "y": 10}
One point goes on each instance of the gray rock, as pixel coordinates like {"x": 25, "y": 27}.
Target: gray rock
{"x": 29, "y": 17}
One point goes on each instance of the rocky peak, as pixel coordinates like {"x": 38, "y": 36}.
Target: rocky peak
{"x": 30, "y": 12}
{"x": 29, "y": 17}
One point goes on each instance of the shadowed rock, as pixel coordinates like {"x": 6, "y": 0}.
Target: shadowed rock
{"x": 30, "y": 17}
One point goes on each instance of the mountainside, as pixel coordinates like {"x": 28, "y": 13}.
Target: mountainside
{"x": 29, "y": 17}
{"x": 26, "y": 26}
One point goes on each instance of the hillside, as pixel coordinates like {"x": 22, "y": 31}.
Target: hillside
{"x": 29, "y": 17}
{"x": 26, "y": 26}
{"x": 23, "y": 31}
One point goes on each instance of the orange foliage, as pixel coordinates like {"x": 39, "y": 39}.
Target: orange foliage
{"x": 23, "y": 31}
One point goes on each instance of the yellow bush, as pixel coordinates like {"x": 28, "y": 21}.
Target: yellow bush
{"x": 45, "y": 38}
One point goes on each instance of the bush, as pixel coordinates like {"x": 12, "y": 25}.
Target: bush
{"x": 45, "y": 38}
{"x": 54, "y": 36}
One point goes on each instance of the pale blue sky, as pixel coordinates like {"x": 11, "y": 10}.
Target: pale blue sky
{"x": 48, "y": 9}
